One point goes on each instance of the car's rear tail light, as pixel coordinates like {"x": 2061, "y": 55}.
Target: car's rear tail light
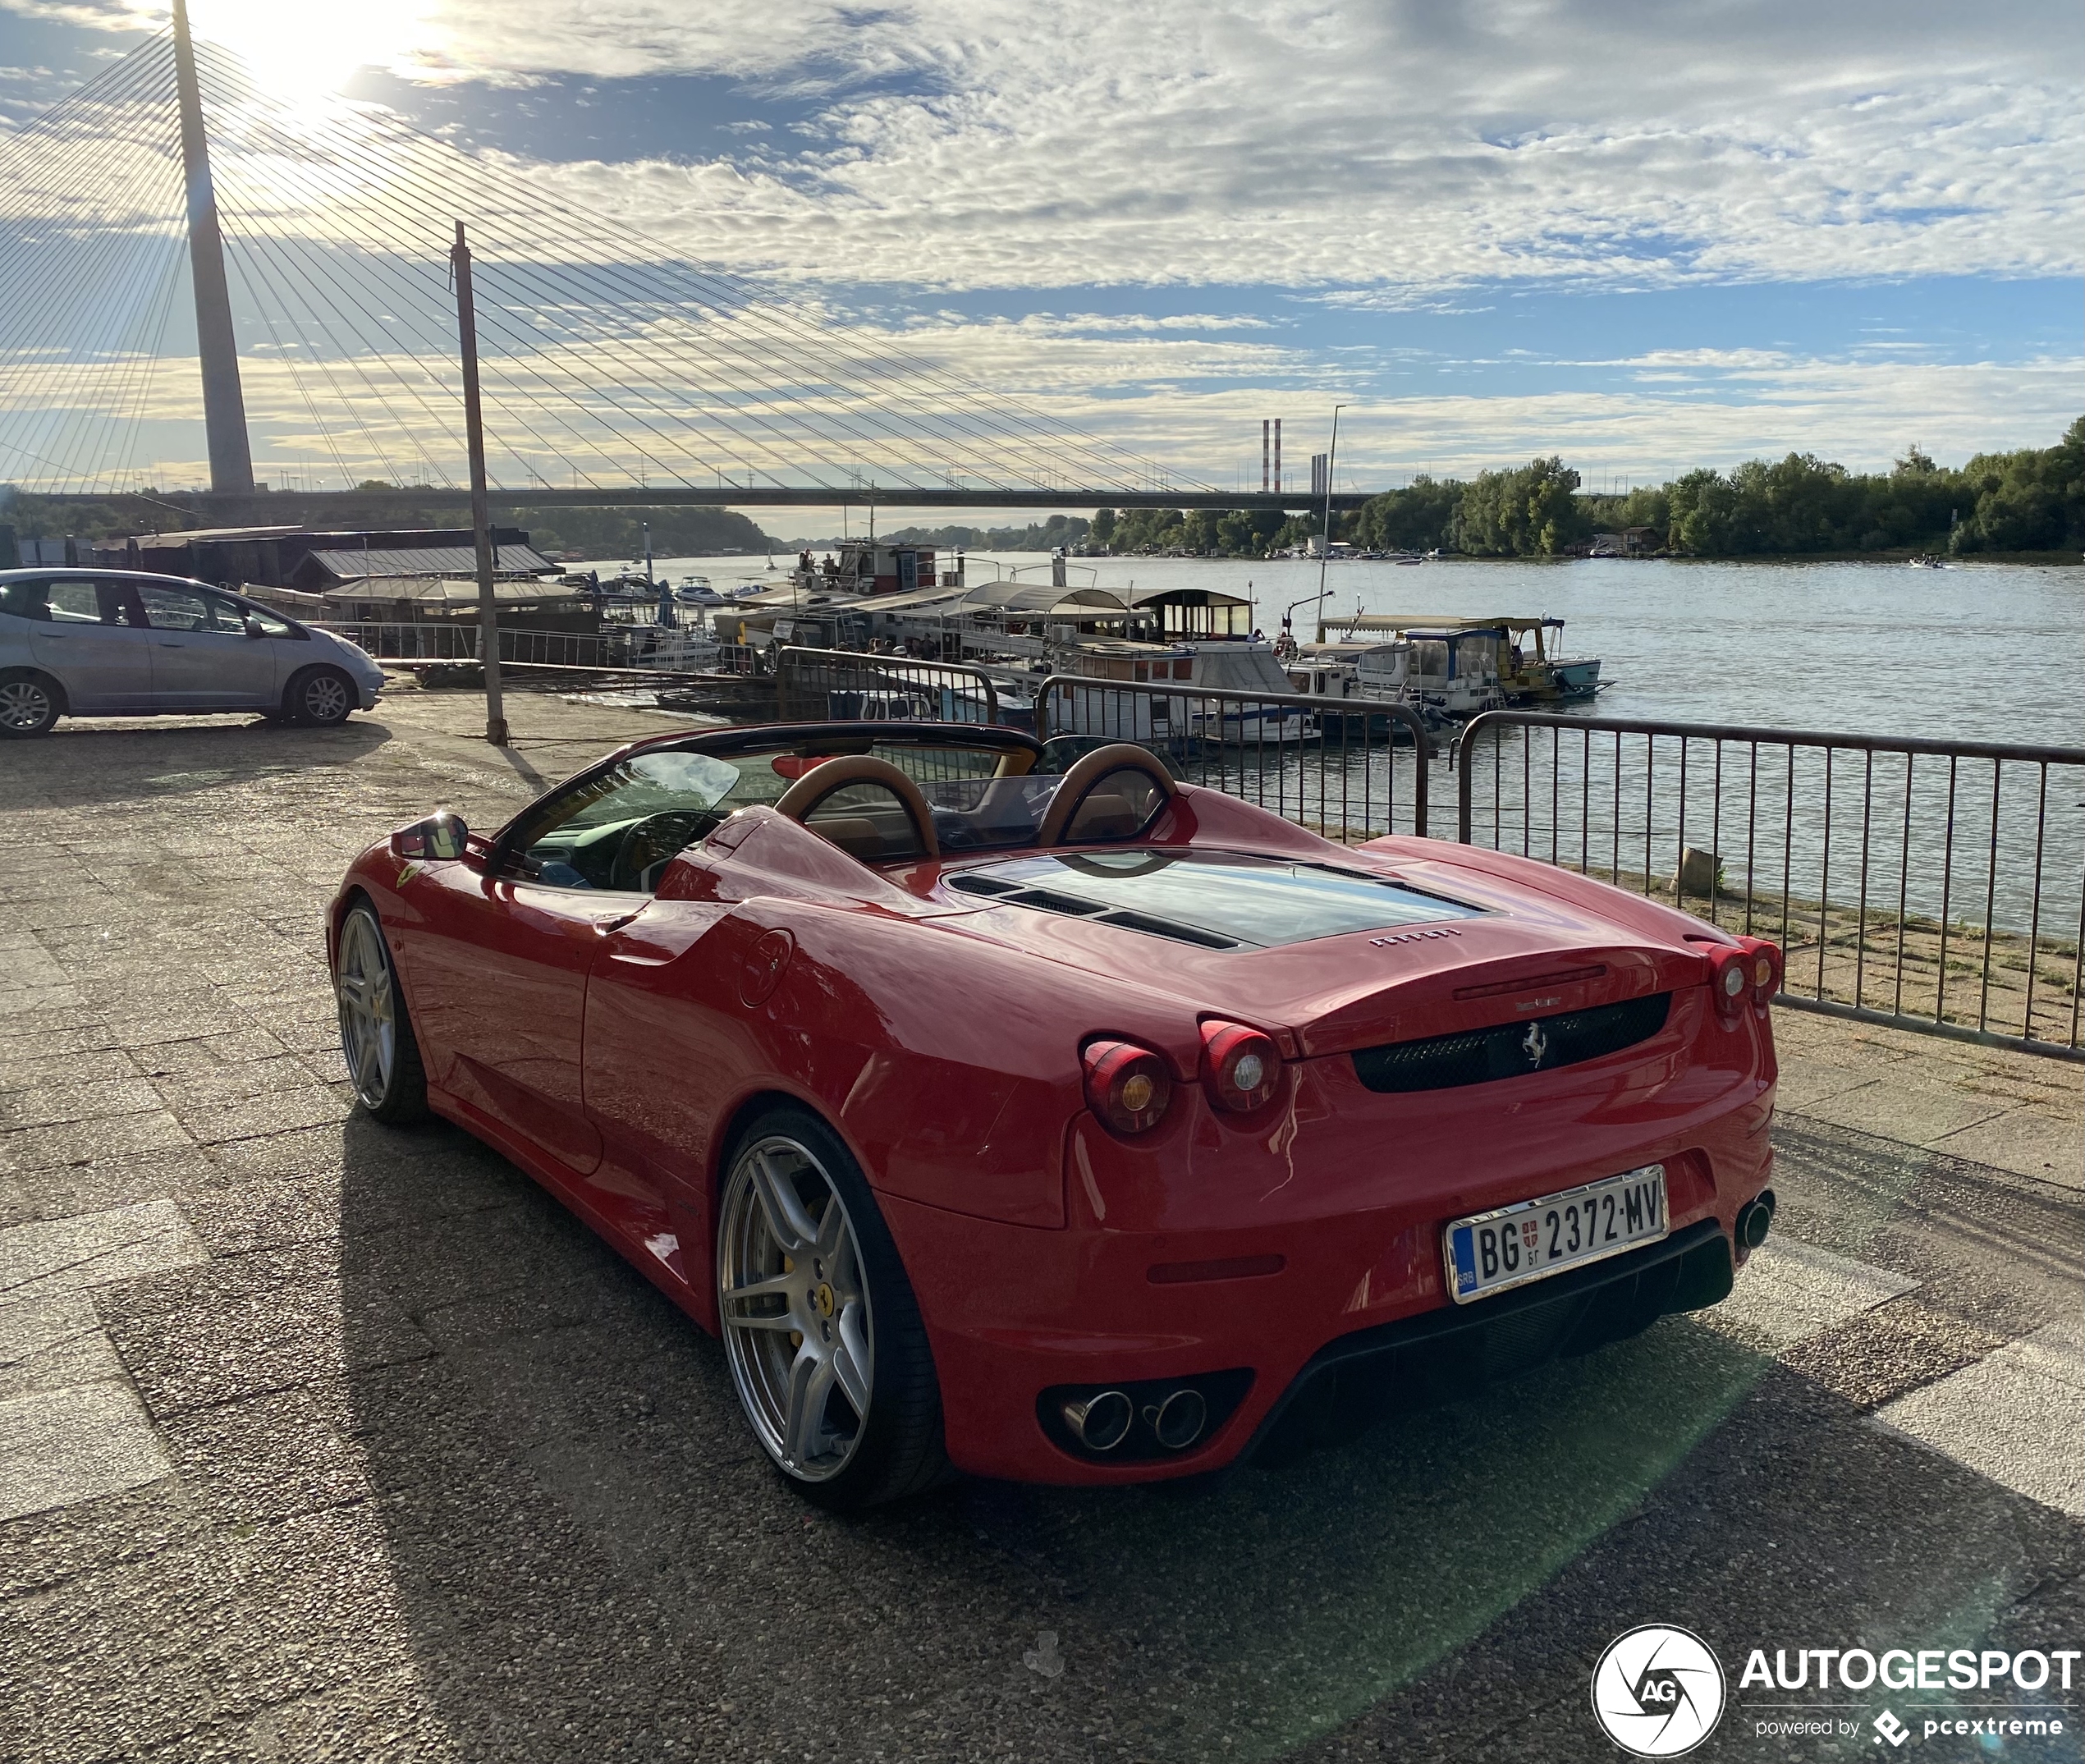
{"x": 1729, "y": 978}
{"x": 1762, "y": 967}
{"x": 1127, "y": 1086}
{"x": 1241, "y": 1067}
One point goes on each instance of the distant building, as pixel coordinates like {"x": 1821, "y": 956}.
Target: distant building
{"x": 294, "y": 558}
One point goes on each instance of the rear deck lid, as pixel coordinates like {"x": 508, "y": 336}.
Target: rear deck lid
{"x": 1212, "y": 900}
{"x": 1344, "y": 959}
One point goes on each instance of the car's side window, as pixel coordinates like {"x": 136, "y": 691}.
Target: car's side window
{"x": 120, "y": 605}
{"x": 271, "y": 626}
{"x": 76, "y": 603}
{"x": 225, "y": 616}
{"x": 25, "y": 600}
{"x": 175, "y": 609}
{"x": 619, "y": 829}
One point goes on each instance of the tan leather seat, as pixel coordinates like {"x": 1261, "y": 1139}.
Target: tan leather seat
{"x": 1094, "y": 776}
{"x": 800, "y": 800}
{"x": 1104, "y": 814}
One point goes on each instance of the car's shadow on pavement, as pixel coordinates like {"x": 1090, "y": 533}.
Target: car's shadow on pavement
{"x": 113, "y": 758}
{"x": 594, "y": 1559}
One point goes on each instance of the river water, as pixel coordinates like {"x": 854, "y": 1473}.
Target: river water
{"x": 1989, "y": 653}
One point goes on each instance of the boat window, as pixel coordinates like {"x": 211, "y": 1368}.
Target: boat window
{"x": 1182, "y": 671}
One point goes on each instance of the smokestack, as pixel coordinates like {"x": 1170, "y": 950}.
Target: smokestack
{"x": 1277, "y": 456}
{"x": 1264, "y": 480}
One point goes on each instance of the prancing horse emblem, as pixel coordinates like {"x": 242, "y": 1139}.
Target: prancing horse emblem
{"x": 1534, "y": 1044}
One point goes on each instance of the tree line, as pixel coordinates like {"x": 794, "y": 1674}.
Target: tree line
{"x": 2029, "y": 501}
{"x": 682, "y": 531}
{"x": 2022, "y": 503}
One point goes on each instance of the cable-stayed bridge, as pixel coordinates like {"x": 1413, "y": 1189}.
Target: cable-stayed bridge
{"x": 173, "y": 215}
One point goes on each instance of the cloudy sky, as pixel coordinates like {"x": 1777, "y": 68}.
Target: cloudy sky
{"x": 1647, "y": 236}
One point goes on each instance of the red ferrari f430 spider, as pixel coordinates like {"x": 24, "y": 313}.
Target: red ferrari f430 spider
{"x": 1067, "y": 1125}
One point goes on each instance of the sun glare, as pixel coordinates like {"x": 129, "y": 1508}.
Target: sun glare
{"x": 308, "y": 49}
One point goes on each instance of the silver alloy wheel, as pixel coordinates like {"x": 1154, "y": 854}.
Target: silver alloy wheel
{"x": 368, "y": 1007}
{"x": 24, "y": 705}
{"x": 796, "y": 1309}
{"x": 325, "y": 697}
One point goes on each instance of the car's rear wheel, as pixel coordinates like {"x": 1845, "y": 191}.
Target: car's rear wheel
{"x": 821, "y": 1329}
{"x": 320, "y": 697}
{"x": 30, "y": 704}
{"x": 383, "y": 1058}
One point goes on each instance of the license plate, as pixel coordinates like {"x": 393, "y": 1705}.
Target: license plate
{"x": 1489, "y": 1251}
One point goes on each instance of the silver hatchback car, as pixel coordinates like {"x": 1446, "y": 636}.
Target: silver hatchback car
{"x": 117, "y": 642}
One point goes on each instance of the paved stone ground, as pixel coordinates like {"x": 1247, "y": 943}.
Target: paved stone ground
{"x": 321, "y": 1441}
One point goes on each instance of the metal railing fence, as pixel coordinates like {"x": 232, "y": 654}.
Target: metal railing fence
{"x": 614, "y": 649}
{"x": 814, "y": 684}
{"x": 1926, "y": 884}
{"x": 1337, "y": 765}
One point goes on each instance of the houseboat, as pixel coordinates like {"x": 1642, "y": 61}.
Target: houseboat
{"x": 1531, "y": 668}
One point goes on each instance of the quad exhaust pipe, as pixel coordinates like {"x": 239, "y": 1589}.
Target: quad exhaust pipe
{"x": 1755, "y": 1219}
{"x": 1102, "y": 1421}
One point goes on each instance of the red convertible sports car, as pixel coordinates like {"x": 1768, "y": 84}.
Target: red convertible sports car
{"x": 1068, "y": 1126}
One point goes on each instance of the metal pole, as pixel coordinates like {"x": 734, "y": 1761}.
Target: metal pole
{"x": 1325, "y": 549}
{"x": 481, "y": 514}
{"x": 224, "y": 405}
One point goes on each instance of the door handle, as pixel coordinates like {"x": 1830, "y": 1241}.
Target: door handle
{"x": 606, "y": 923}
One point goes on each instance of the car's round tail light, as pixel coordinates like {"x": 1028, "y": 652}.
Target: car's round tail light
{"x": 1762, "y": 967}
{"x": 1241, "y": 1067}
{"x": 1127, "y": 1086}
{"x": 1729, "y": 978}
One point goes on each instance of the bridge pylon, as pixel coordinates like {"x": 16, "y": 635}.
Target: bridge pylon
{"x": 224, "y": 401}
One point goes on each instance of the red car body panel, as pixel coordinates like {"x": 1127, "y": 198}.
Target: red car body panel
{"x": 609, "y": 1042}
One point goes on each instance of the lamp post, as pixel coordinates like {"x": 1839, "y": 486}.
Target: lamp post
{"x": 481, "y": 514}
{"x": 1325, "y": 545}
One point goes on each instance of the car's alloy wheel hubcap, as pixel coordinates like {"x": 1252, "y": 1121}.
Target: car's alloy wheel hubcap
{"x": 369, "y": 1009}
{"x": 24, "y": 704}
{"x": 796, "y": 1309}
{"x": 325, "y": 698}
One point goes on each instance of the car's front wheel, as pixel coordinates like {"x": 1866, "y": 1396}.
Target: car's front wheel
{"x": 383, "y": 1058}
{"x": 30, "y": 704}
{"x": 821, "y": 1329}
{"x": 320, "y": 697}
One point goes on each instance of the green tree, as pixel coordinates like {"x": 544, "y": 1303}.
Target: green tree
{"x": 1528, "y": 513}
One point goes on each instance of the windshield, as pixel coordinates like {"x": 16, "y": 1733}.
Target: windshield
{"x": 619, "y": 827}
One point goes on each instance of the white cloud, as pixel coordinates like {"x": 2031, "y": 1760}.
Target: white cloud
{"x": 1418, "y": 146}
{"x": 1415, "y": 145}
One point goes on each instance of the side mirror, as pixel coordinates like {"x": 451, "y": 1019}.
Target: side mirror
{"x": 254, "y": 629}
{"x": 441, "y": 837}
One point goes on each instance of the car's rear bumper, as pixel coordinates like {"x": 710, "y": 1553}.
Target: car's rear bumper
{"x": 1354, "y": 1322}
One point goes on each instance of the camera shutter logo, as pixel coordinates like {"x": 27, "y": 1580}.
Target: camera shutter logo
{"x": 1658, "y": 1691}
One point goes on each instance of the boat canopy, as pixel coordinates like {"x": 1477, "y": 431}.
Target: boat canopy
{"x": 1198, "y": 611}
{"x": 1437, "y": 624}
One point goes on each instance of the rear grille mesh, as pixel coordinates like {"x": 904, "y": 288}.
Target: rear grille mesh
{"x": 1512, "y": 1049}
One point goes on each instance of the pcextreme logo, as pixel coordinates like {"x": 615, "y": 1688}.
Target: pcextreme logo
{"x": 1658, "y": 1691}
